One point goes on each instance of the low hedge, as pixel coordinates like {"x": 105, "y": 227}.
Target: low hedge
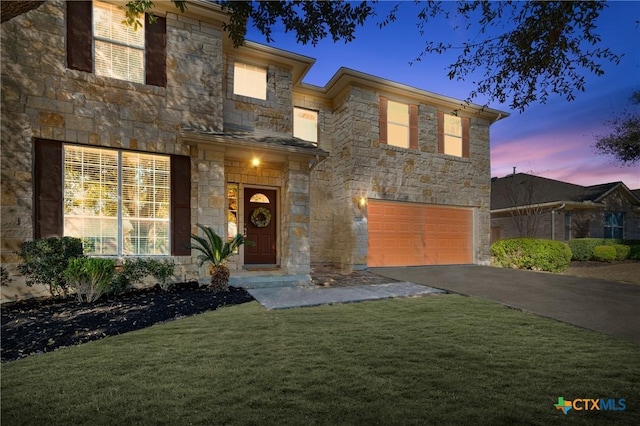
{"x": 622, "y": 251}
{"x": 635, "y": 252}
{"x": 582, "y": 248}
{"x": 530, "y": 253}
{"x": 604, "y": 253}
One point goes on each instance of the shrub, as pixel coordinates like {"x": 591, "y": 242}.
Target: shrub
{"x": 44, "y": 262}
{"x": 161, "y": 271}
{"x": 582, "y": 248}
{"x": 622, "y": 251}
{"x": 4, "y": 276}
{"x": 130, "y": 272}
{"x": 90, "y": 277}
{"x": 529, "y": 253}
{"x": 635, "y": 252}
{"x": 604, "y": 253}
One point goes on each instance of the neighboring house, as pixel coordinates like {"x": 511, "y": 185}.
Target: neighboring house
{"x": 532, "y": 206}
{"x": 129, "y": 139}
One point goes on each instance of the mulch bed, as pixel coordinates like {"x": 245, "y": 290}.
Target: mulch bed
{"x": 36, "y": 326}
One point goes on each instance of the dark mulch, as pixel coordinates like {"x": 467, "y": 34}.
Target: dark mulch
{"x": 42, "y": 325}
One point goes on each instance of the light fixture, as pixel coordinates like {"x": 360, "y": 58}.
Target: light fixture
{"x": 255, "y": 162}
{"x": 362, "y": 203}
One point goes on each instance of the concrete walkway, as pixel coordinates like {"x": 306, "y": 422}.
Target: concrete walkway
{"x": 293, "y": 297}
{"x": 606, "y": 306}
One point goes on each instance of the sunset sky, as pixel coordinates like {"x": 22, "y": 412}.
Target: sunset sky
{"x": 554, "y": 140}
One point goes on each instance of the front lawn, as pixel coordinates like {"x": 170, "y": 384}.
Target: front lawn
{"x": 429, "y": 360}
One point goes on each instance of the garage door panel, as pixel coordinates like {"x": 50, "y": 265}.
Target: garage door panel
{"x": 411, "y": 234}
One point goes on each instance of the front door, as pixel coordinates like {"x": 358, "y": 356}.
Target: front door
{"x": 260, "y": 218}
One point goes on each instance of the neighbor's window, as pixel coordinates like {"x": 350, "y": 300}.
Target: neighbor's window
{"x": 398, "y": 124}
{"x": 118, "y": 202}
{"x": 567, "y": 225}
{"x": 614, "y": 225}
{"x": 249, "y": 81}
{"x": 305, "y": 124}
{"x": 452, "y": 135}
{"x": 118, "y": 49}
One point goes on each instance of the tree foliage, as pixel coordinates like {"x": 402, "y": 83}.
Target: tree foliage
{"x": 623, "y": 143}
{"x": 524, "y": 52}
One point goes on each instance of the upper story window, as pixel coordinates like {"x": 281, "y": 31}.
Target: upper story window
{"x": 249, "y": 81}
{"x": 453, "y": 135}
{"x": 398, "y": 124}
{"x": 98, "y": 42}
{"x": 118, "y": 49}
{"x": 305, "y": 124}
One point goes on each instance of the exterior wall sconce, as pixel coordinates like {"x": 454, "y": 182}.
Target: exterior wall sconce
{"x": 255, "y": 162}
{"x": 362, "y": 203}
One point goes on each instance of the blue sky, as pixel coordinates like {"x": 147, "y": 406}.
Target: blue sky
{"x": 553, "y": 140}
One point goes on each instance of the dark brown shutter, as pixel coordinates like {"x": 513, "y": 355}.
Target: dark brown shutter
{"x": 413, "y": 126}
{"x": 382, "y": 111}
{"x": 180, "y": 205}
{"x": 155, "y": 35}
{"x": 440, "y": 132}
{"x": 47, "y": 189}
{"x": 465, "y": 137}
{"x": 79, "y": 35}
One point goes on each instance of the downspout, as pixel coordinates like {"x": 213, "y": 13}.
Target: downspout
{"x": 553, "y": 220}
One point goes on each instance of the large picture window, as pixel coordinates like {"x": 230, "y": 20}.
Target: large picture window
{"x": 118, "y": 202}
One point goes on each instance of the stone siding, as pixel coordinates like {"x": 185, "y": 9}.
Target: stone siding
{"x": 41, "y": 98}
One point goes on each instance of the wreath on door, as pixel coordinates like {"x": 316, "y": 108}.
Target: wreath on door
{"x": 261, "y": 217}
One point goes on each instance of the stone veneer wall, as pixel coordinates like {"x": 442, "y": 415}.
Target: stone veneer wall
{"x": 362, "y": 167}
{"x": 274, "y": 114}
{"x": 41, "y": 98}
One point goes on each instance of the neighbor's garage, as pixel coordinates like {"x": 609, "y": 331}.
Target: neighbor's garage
{"x": 406, "y": 234}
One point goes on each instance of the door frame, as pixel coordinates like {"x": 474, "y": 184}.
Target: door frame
{"x": 241, "y": 221}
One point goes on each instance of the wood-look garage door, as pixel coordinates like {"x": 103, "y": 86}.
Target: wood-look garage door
{"x": 403, "y": 234}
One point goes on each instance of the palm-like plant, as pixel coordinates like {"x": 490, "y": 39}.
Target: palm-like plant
{"x": 215, "y": 252}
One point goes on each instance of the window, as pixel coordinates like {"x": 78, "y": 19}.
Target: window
{"x": 249, "y": 81}
{"x": 614, "y": 225}
{"x": 118, "y": 49}
{"x": 398, "y": 124}
{"x": 567, "y": 225}
{"x": 453, "y": 135}
{"x": 118, "y": 202}
{"x": 98, "y": 42}
{"x": 305, "y": 124}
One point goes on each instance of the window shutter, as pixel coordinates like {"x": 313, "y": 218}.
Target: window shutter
{"x": 413, "y": 126}
{"x": 383, "y": 119}
{"x": 47, "y": 189}
{"x": 180, "y": 205}
{"x": 79, "y": 35}
{"x": 156, "y": 51}
{"x": 465, "y": 137}
{"x": 440, "y": 132}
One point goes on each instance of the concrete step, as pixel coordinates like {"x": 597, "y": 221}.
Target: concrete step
{"x": 267, "y": 279}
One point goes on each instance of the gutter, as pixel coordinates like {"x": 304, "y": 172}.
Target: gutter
{"x": 553, "y": 220}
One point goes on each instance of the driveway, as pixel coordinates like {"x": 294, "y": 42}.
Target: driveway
{"x": 605, "y": 306}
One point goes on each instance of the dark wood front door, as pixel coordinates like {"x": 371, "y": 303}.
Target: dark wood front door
{"x": 260, "y": 218}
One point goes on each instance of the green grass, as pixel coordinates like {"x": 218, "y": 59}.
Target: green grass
{"x": 430, "y": 360}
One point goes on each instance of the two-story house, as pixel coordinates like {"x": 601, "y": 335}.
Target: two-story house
{"x": 129, "y": 138}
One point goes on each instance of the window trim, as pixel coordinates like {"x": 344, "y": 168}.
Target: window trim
{"x": 383, "y": 113}
{"x": 465, "y": 123}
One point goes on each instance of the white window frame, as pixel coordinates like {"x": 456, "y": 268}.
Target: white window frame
{"x": 452, "y": 139}
{"x": 117, "y": 43}
{"x": 301, "y": 125}
{"x": 124, "y": 223}
{"x": 401, "y": 137}
{"x": 249, "y": 81}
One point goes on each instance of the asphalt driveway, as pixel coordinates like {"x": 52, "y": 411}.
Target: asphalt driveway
{"x": 605, "y": 306}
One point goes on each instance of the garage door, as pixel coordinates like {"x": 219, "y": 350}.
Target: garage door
{"x": 404, "y": 234}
